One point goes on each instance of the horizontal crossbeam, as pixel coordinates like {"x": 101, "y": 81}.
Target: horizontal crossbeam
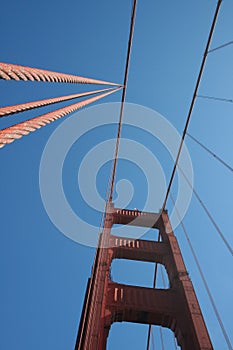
{"x": 136, "y": 218}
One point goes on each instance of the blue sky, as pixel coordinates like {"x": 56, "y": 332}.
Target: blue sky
{"x": 43, "y": 273}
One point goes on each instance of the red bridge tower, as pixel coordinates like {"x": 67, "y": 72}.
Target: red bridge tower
{"x": 106, "y": 302}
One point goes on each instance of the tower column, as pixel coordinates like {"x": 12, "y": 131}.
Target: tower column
{"x": 106, "y": 302}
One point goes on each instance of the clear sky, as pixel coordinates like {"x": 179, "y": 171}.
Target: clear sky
{"x": 43, "y": 273}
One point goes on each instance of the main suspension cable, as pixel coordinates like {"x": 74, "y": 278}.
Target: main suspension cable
{"x": 133, "y": 15}
{"x": 14, "y": 132}
{"x": 8, "y": 110}
{"x": 210, "y": 152}
{"x": 202, "y": 276}
{"x": 208, "y": 213}
{"x": 193, "y": 100}
{"x": 10, "y": 71}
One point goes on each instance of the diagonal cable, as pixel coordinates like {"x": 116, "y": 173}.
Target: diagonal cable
{"x": 210, "y": 152}
{"x": 221, "y": 46}
{"x": 216, "y": 98}
{"x": 8, "y": 110}
{"x": 10, "y": 71}
{"x": 202, "y": 277}
{"x": 208, "y": 213}
{"x": 193, "y": 100}
{"x": 16, "y": 131}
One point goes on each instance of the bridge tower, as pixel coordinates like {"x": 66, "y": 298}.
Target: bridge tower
{"x": 106, "y": 302}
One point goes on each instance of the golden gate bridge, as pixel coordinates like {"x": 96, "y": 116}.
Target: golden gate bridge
{"x": 107, "y": 302}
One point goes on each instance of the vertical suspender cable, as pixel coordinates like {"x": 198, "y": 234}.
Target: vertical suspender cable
{"x": 161, "y": 337}
{"x": 153, "y": 340}
{"x": 112, "y": 176}
{"x": 133, "y": 15}
{"x": 193, "y": 99}
{"x": 186, "y": 128}
{"x": 154, "y": 285}
{"x": 164, "y": 285}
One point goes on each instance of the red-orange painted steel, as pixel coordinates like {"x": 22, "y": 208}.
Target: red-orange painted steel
{"x": 106, "y": 302}
{"x": 14, "y": 132}
{"x": 135, "y": 218}
{"x": 10, "y": 71}
{"x": 4, "y": 111}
